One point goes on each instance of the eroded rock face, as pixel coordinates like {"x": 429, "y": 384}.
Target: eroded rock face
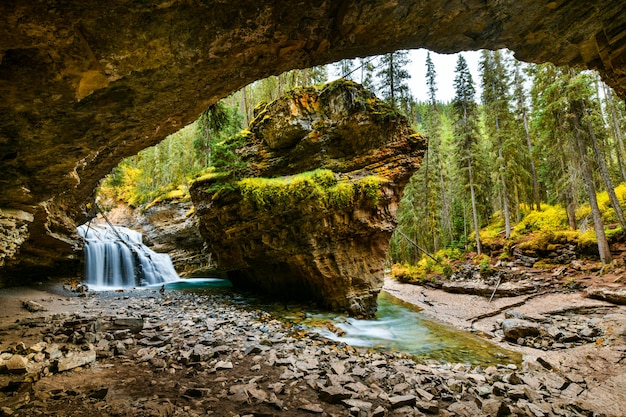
{"x": 83, "y": 87}
{"x": 321, "y": 235}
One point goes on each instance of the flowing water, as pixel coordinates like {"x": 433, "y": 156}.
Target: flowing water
{"x": 400, "y": 326}
{"x": 397, "y": 326}
{"x": 115, "y": 257}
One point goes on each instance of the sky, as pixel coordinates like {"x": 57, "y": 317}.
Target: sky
{"x": 444, "y": 68}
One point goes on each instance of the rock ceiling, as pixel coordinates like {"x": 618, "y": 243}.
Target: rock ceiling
{"x": 83, "y": 86}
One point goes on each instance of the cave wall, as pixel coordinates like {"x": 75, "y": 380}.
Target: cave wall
{"x": 84, "y": 85}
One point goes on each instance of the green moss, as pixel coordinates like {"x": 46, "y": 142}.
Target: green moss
{"x": 210, "y": 174}
{"x": 544, "y": 264}
{"x": 321, "y": 187}
{"x": 181, "y": 194}
{"x": 614, "y": 234}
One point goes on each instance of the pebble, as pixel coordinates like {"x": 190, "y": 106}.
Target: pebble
{"x": 190, "y": 334}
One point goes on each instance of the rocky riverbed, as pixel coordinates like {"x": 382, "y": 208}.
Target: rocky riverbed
{"x": 146, "y": 353}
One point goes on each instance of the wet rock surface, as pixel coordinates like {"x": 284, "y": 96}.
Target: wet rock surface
{"x": 566, "y": 337}
{"x": 196, "y": 354}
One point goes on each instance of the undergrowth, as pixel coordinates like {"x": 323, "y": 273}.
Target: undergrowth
{"x": 543, "y": 230}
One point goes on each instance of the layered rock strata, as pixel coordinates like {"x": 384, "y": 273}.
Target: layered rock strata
{"x": 311, "y": 212}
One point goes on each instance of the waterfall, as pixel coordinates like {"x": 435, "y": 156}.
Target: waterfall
{"x": 116, "y": 257}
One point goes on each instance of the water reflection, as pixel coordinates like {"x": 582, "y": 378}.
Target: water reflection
{"x": 397, "y": 326}
{"x": 196, "y": 284}
{"x": 400, "y": 326}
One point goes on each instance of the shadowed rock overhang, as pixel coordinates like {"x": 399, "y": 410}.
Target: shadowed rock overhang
{"x": 84, "y": 85}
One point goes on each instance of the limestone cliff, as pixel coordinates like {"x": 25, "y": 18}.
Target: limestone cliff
{"x": 84, "y": 85}
{"x": 311, "y": 212}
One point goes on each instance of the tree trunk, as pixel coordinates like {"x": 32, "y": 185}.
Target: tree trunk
{"x": 533, "y": 169}
{"x": 505, "y": 201}
{"x": 598, "y": 224}
{"x": 617, "y": 132}
{"x": 606, "y": 177}
{"x": 474, "y": 209}
{"x": 392, "y": 87}
{"x": 445, "y": 207}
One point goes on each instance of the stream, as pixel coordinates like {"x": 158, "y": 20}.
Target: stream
{"x": 397, "y": 326}
{"x": 117, "y": 258}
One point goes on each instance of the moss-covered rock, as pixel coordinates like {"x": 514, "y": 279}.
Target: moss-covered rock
{"x": 310, "y": 210}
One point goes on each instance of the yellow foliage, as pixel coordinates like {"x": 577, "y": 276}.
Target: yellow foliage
{"x": 425, "y": 266}
{"x": 549, "y": 227}
{"x": 492, "y": 235}
{"x": 125, "y": 189}
{"x": 448, "y": 254}
{"x": 407, "y": 273}
{"x": 583, "y": 212}
{"x": 587, "y": 239}
{"x": 548, "y": 219}
{"x": 481, "y": 259}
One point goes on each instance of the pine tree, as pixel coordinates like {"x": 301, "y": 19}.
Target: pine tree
{"x": 210, "y": 122}
{"x": 346, "y": 68}
{"x": 367, "y": 66}
{"x": 434, "y": 143}
{"x": 466, "y": 131}
{"x": 561, "y": 98}
{"x": 591, "y": 120}
{"x": 393, "y": 77}
{"x": 522, "y": 114}
{"x": 431, "y": 81}
{"x": 495, "y": 100}
{"x": 576, "y": 114}
{"x": 559, "y": 169}
{"x": 616, "y": 117}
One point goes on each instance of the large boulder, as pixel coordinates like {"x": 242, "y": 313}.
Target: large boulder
{"x": 310, "y": 213}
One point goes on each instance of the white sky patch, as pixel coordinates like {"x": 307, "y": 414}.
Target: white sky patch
{"x": 444, "y": 68}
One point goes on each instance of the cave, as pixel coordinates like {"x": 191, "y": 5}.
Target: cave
{"x": 84, "y": 86}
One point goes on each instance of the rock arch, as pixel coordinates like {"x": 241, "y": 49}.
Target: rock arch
{"x": 83, "y": 87}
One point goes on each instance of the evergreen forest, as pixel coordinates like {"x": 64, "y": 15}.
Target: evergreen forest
{"x": 536, "y": 158}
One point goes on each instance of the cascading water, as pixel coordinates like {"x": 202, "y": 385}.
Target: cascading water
{"x": 116, "y": 257}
